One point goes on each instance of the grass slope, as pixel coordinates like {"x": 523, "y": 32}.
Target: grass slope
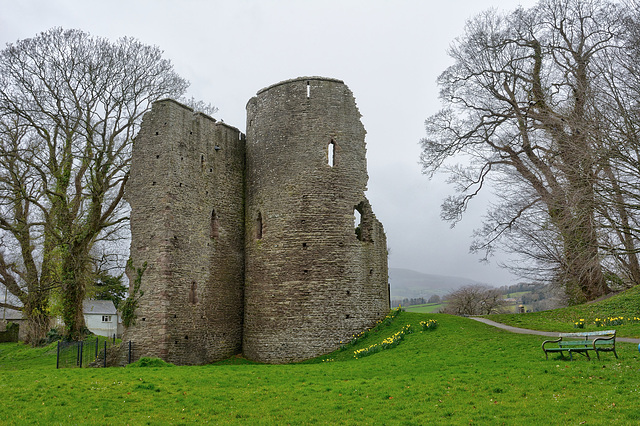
{"x": 625, "y": 304}
{"x": 464, "y": 372}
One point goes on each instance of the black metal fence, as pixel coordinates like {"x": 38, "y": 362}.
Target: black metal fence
{"x": 89, "y": 353}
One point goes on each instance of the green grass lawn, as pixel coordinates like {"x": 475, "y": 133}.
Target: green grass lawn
{"x": 426, "y": 308}
{"x": 463, "y": 372}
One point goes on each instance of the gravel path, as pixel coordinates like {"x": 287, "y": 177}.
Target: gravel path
{"x": 540, "y": 333}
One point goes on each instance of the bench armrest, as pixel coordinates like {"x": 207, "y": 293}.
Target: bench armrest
{"x": 610, "y": 339}
{"x": 551, "y": 341}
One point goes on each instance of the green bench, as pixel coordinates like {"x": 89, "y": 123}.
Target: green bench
{"x": 582, "y": 343}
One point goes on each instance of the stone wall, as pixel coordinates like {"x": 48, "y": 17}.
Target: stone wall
{"x": 251, "y": 245}
{"x": 311, "y": 281}
{"x": 187, "y": 224}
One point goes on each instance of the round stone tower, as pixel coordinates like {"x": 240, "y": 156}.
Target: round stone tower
{"x": 316, "y": 256}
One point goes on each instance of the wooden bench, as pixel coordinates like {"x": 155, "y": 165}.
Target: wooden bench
{"x": 582, "y": 343}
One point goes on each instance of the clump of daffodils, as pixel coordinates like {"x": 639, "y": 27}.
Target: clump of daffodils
{"x": 613, "y": 321}
{"x": 429, "y": 325}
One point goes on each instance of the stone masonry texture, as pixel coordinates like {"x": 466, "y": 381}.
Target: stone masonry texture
{"x": 263, "y": 245}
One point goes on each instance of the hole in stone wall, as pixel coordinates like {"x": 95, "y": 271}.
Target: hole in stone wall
{"x": 201, "y": 161}
{"x": 304, "y": 245}
{"x": 211, "y": 170}
{"x": 331, "y": 153}
{"x": 348, "y": 316}
{"x": 348, "y": 293}
{"x": 259, "y": 229}
{"x": 214, "y": 225}
{"x": 153, "y": 183}
{"x": 362, "y": 221}
{"x": 157, "y": 133}
{"x": 186, "y": 337}
{"x": 308, "y": 90}
{"x": 144, "y": 319}
{"x": 370, "y": 271}
{"x": 180, "y": 185}
{"x": 158, "y": 156}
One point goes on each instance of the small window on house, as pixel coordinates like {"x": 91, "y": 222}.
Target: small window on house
{"x": 214, "y": 231}
{"x": 106, "y": 318}
{"x": 259, "y": 226}
{"x": 308, "y": 90}
{"x": 331, "y": 153}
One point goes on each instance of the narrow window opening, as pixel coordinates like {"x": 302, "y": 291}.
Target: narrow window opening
{"x": 357, "y": 221}
{"x": 201, "y": 161}
{"x": 186, "y": 337}
{"x": 304, "y": 246}
{"x": 259, "y": 226}
{"x": 214, "y": 225}
{"x": 157, "y": 156}
{"x": 308, "y": 90}
{"x": 193, "y": 293}
{"x": 331, "y": 153}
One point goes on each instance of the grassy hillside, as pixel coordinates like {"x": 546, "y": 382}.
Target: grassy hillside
{"x": 625, "y": 304}
{"x": 463, "y": 372}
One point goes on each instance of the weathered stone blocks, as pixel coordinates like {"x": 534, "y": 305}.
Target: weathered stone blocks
{"x": 250, "y": 242}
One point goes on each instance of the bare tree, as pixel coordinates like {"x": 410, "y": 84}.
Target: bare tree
{"x": 521, "y": 104}
{"x": 474, "y": 300}
{"x": 70, "y": 105}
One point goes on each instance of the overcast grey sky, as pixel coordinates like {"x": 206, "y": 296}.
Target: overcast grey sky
{"x": 389, "y": 53}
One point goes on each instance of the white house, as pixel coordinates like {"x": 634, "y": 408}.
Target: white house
{"x": 101, "y": 317}
{"x": 9, "y": 315}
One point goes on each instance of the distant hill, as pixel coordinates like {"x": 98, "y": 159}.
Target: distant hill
{"x": 406, "y": 283}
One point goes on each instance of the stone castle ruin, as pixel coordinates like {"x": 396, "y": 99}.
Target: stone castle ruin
{"x": 262, "y": 244}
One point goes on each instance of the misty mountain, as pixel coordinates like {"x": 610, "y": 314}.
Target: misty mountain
{"x": 406, "y": 283}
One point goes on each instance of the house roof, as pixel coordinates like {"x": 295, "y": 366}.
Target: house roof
{"x": 10, "y": 314}
{"x": 98, "y": 307}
